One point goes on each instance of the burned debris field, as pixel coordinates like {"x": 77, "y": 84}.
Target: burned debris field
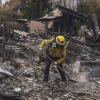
{"x": 49, "y": 53}
{"x": 22, "y": 75}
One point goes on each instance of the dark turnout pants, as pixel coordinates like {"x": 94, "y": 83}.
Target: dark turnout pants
{"x": 46, "y": 71}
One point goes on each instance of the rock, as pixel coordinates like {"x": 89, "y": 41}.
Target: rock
{"x": 27, "y": 90}
{"x": 66, "y": 95}
{"x": 17, "y": 89}
{"x": 29, "y": 79}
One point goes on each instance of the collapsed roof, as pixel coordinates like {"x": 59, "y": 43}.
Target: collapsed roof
{"x": 72, "y": 13}
{"x": 56, "y": 14}
{"x": 59, "y": 12}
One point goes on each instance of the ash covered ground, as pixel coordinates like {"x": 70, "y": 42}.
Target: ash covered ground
{"x": 22, "y": 61}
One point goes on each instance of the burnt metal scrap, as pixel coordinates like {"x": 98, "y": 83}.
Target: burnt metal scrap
{"x": 6, "y": 72}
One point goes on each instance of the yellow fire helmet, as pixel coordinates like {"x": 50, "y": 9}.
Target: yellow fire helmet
{"x": 60, "y": 40}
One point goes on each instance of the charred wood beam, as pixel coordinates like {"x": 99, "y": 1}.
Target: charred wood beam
{"x": 70, "y": 12}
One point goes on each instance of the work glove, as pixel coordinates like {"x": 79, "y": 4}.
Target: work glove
{"x": 55, "y": 63}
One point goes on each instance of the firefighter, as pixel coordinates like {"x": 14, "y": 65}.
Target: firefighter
{"x": 56, "y": 49}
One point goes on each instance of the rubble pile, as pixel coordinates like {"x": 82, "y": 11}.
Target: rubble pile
{"x": 21, "y": 75}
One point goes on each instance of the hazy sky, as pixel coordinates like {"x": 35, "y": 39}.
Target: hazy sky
{"x": 3, "y": 1}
